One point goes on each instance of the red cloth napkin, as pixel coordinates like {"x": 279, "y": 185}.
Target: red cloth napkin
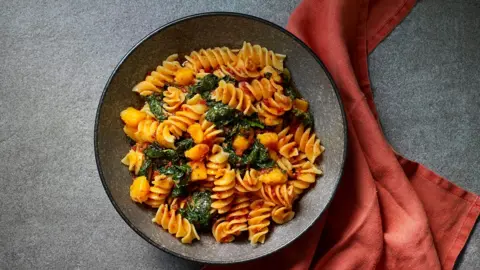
{"x": 388, "y": 212}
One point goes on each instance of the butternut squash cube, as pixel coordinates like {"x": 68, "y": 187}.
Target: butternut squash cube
{"x": 268, "y": 139}
{"x": 140, "y": 189}
{"x": 300, "y": 104}
{"x": 199, "y": 171}
{"x": 197, "y": 152}
{"x": 184, "y": 76}
{"x": 274, "y": 177}
{"x": 196, "y": 132}
{"x": 132, "y": 116}
{"x": 240, "y": 144}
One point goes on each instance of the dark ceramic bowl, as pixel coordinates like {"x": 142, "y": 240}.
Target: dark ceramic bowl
{"x": 205, "y": 31}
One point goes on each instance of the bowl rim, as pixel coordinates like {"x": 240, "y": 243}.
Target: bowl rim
{"x": 161, "y": 28}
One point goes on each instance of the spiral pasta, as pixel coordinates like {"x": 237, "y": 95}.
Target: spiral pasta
{"x": 249, "y": 182}
{"x": 224, "y": 192}
{"x": 235, "y": 98}
{"x": 173, "y": 99}
{"x": 220, "y": 232}
{"x": 282, "y": 214}
{"x": 260, "y": 56}
{"x": 271, "y": 109}
{"x": 210, "y": 133}
{"x": 175, "y": 224}
{"x": 146, "y": 131}
{"x": 308, "y": 143}
{"x": 177, "y": 203}
{"x": 237, "y": 216}
{"x": 258, "y": 220}
{"x": 282, "y": 194}
{"x": 155, "y": 80}
{"x": 258, "y": 89}
{"x": 217, "y": 163}
{"x": 285, "y": 164}
{"x": 223, "y": 141}
{"x": 188, "y": 115}
{"x": 176, "y": 124}
{"x": 134, "y": 159}
{"x": 208, "y": 59}
{"x": 161, "y": 187}
{"x": 305, "y": 175}
{"x": 286, "y": 147}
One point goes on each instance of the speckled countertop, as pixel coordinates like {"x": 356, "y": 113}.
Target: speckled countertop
{"x": 56, "y": 57}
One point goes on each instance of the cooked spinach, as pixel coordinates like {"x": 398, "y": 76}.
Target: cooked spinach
{"x": 144, "y": 168}
{"x": 180, "y": 175}
{"x": 267, "y": 75}
{"x": 156, "y": 151}
{"x": 205, "y": 85}
{"x": 252, "y": 121}
{"x": 258, "y": 157}
{"x": 291, "y": 92}
{"x": 305, "y": 117}
{"x": 183, "y": 146}
{"x": 220, "y": 114}
{"x": 169, "y": 155}
{"x": 197, "y": 210}
{"x": 233, "y": 159}
{"x": 155, "y": 103}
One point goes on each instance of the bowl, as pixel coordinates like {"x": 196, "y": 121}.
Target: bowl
{"x": 205, "y": 31}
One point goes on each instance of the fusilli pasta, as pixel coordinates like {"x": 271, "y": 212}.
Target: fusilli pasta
{"x": 175, "y": 224}
{"x": 223, "y": 142}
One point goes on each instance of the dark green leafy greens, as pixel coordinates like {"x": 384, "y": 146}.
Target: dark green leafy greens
{"x": 233, "y": 159}
{"x": 259, "y": 157}
{"x": 291, "y": 92}
{"x": 156, "y": 151}
{"x": 169, "y": 155}
{"x": 267, "y": 75}
{"x": 220, "y": 114}
{"x": 305, "y": 117}
{"x": 155, "y": 103}
{"x": 289, "y": 89}
{"x": 204, "y": 86}
{"x": 184, "y": 145}
{"x": 286, "y": 77}
{"x": 256, "y": 157}
{"x": 144, "y": 168}
{"x": 180, "y": 175}
{"x": 197, "y": 210}
{"x": 252, "y": 121}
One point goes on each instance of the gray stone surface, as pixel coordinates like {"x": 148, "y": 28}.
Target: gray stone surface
{"x": 55, "y": 58}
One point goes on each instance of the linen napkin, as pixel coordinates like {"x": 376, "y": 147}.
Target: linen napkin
{"x": 388, "y": 212}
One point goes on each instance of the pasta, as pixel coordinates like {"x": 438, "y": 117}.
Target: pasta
{"x": 175, "y": 224}
{"x": 173, "y": 99}
{"x": 224, "y": 192}
{"x": 228, "y": 94}
{"x": 134, "y": 159}
{"x": 159, "y": 191}
{"x": 282, "y": 214}
{"x": 158, "y": 78}
{"x": 223, "y": 143}
{"x": 258, "y": 221}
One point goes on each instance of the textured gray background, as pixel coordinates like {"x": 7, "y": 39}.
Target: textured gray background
{"x": 55, "y": 58}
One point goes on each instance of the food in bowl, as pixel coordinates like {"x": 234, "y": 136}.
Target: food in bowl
{"x": 223, "y": 142}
